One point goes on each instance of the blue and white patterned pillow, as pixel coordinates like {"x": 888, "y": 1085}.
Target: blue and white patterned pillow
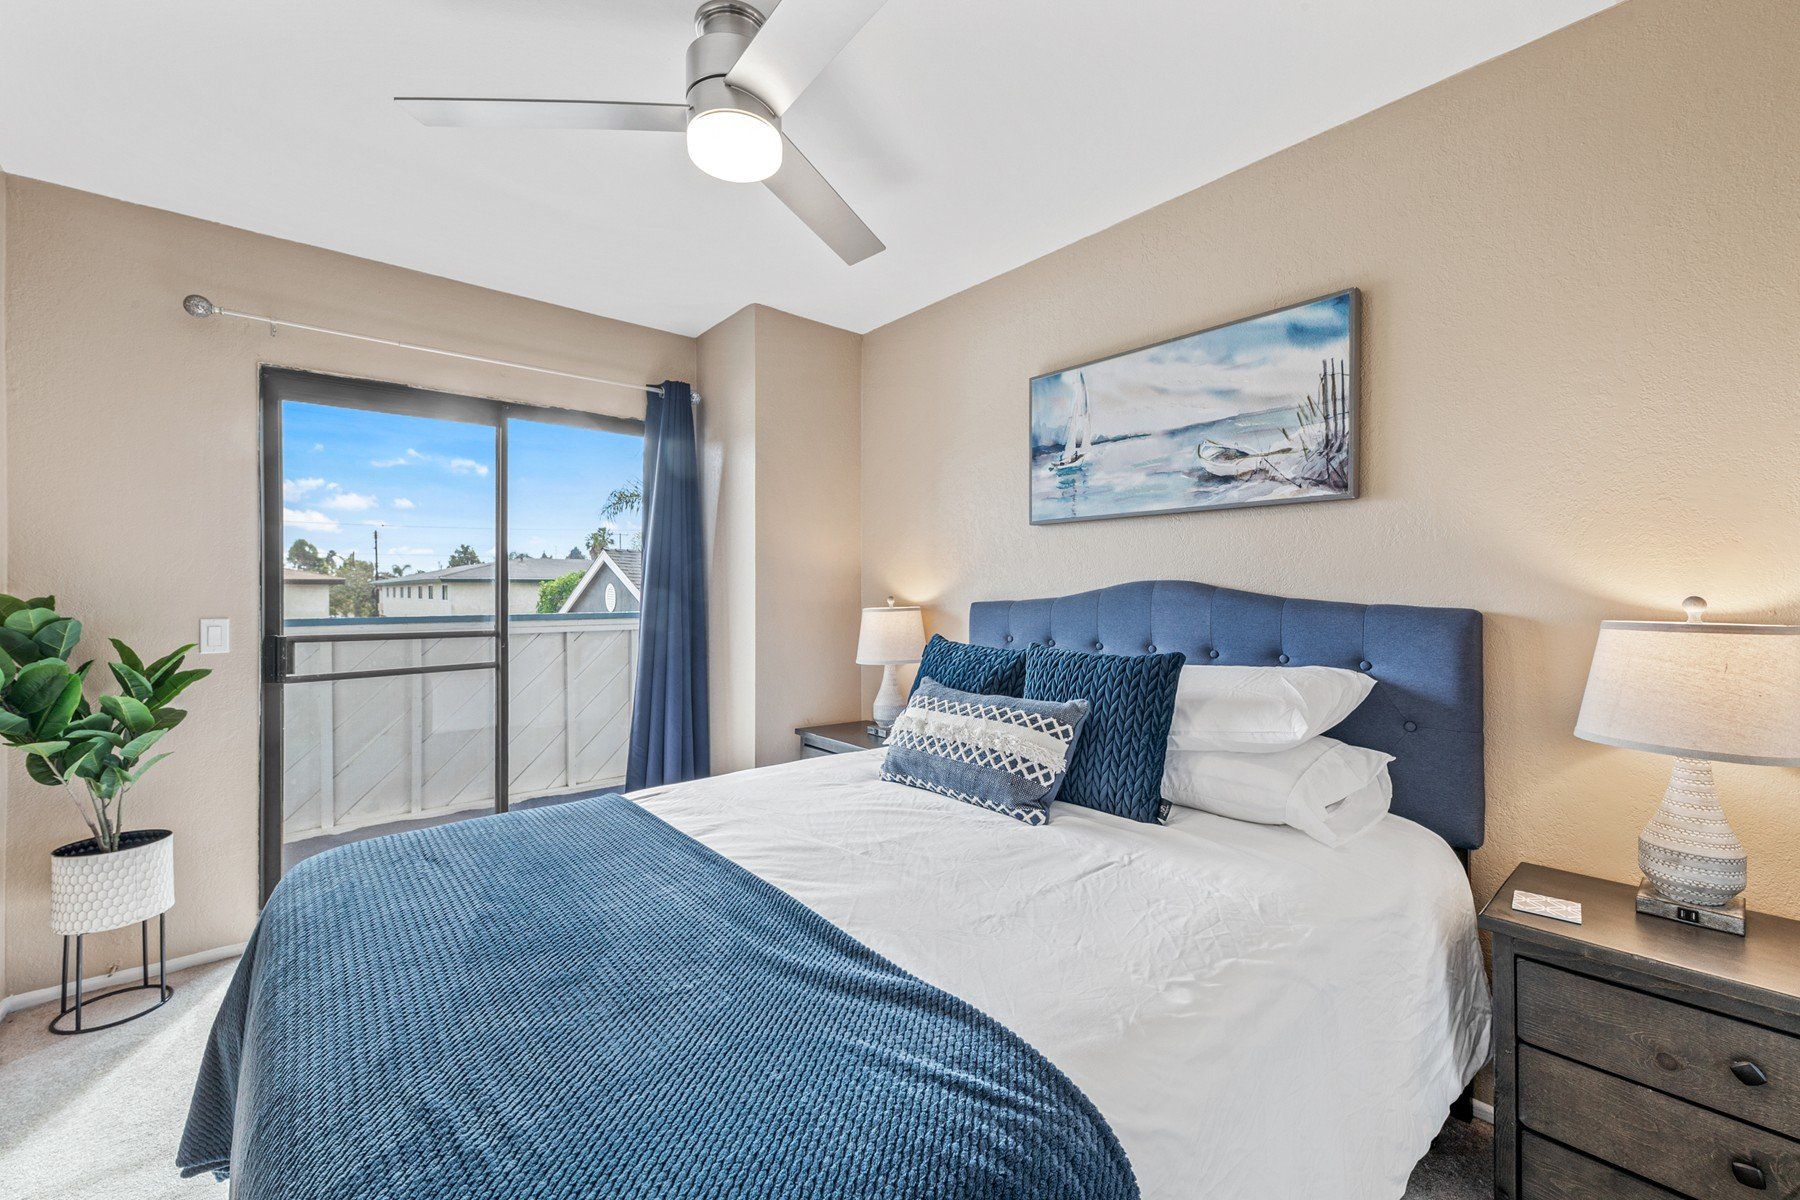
{"x": 997, "y": 752}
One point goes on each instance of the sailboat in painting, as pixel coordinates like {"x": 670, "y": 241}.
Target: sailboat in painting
{"x": 1079, "y": 441}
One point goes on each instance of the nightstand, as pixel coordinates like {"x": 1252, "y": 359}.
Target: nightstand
{"x": 846, "y": 738}
{"x": 1638, "y": 1058}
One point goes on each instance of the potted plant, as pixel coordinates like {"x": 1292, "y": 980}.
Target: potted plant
{"x": 94, "y": 753}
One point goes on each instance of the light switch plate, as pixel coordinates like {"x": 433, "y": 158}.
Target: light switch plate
{"x": 215, "y": 635}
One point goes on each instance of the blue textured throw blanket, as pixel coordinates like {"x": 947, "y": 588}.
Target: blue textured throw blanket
{"x": 581, "y": 1001}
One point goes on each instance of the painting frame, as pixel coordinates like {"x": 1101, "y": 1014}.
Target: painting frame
{"x": 1352, "y": 411}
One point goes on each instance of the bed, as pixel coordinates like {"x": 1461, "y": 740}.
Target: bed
{"x": 1207, "y": 1008}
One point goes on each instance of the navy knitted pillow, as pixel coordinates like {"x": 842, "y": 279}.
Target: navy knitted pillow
{"x": 1118, "y": 766}
{"x": 983, "y": 670}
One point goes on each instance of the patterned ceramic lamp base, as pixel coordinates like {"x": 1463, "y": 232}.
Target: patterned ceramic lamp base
{"x": 1688, "y": 853}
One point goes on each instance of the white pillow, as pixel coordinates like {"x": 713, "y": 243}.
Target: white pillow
{"x": 1327, "y": 789}
{"x": 1251, "y": 709}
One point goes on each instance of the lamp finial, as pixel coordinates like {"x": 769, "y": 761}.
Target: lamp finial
{"x": 1695, "y": 608}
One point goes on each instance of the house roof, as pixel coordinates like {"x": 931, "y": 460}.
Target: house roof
{"x": 628, "y": 563}
{"x": 521, "y": 570}
{"x": 289, "y": 575}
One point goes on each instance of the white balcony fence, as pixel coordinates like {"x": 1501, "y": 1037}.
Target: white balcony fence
{"x": 365, "y": 752}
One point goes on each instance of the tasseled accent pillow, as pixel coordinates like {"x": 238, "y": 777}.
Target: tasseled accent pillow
{"x": 996, "y": 752}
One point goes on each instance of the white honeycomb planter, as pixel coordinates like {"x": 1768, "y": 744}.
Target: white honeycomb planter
{"x": 91, "y": 891}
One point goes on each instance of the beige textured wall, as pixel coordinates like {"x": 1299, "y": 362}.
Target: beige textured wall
{"x": 808, "y": 528}
{"x": 134, "y": 460}
{"x": 728, "y": 462}
{"x": 1582, "y": 336}
{"x": 5, "y": 511}
{"x": 781, "y": 430}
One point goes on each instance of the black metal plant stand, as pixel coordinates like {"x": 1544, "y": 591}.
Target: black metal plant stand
{"x": 161, "y": 986}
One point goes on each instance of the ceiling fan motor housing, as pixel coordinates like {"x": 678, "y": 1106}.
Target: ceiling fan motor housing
{"x": 725, "y": 28}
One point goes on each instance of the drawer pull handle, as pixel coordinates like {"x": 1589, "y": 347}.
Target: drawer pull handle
{"x": 1749, "y": 1174}
{"x": 1748, "y": 1073}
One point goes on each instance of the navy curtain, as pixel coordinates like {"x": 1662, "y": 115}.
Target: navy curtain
{"x": 669, "y": 733}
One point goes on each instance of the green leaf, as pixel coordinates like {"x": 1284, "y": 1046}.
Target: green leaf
{"x": 37, "y": 686}
{"x": 134, "y": 749}
{"x": 10, "y": 605}
{"x": 129, "y": 712}
{"x": 127, "y": 655}
{"x": 41, "y": 602}
{"x": 40, "y": 771}
{"x": 19, "y": 646}
{"x": 12, "y": 724}
{"x": 133, "y": 681}
{"x": 111, "y": 780}
{"x": 29, "y": 620}
{"x": 56, "y": 718}
{"x": 167, "y": 663}
{"x": 87, "y": 763}
{"x": 173, "y": 685}
{"x": 59, "y": 638}
{"x": 169, "y": 718}
{"x": 145, "y": 766}
{"x": 44, "y": 749}
{"x": 105, "y": 736}
{"x": 9, "y": 667}
{"x": 92, "y": 721}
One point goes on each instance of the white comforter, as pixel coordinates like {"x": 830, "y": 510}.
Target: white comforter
{"x": 1255, "y": 1014}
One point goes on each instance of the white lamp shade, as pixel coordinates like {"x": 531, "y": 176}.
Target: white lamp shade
{"x": 890, "y": 634}
{"x": 1708, "y": 690}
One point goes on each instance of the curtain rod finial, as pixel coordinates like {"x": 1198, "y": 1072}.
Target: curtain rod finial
{"x": 198, "y": 306}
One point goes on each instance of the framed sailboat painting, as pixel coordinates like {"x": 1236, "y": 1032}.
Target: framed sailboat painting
{"x": 1259, "y": 411}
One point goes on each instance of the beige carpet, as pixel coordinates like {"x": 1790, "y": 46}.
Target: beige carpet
{"x": 97, "y": 1117}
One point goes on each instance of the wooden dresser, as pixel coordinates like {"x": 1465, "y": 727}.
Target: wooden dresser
{"x": 1636, "y": 1057}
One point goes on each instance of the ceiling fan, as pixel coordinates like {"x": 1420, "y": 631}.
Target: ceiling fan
{"x": 744, "y": 70}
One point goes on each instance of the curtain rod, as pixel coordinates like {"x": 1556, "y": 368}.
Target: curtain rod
{"x": 200, "y": 306}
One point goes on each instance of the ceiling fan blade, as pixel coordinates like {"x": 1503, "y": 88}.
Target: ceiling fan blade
{"x": 796, "y": 43}
{"x": 799, "y": 185}
{"x": 461, "y": 112}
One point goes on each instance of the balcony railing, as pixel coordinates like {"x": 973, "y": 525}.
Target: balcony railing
{"x": 369, "y": 752}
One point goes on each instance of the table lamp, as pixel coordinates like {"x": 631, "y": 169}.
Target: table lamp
{"x": 1704, "y": 692}
{"x": 891, "y": 635}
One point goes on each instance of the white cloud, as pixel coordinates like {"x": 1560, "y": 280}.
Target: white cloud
{"x": 310, "y": 519}
{"x": 293, "y": 489}
{"x": 402, "y": 502}
{"x": 318, "y": 447}
{"x": 454, "y": 465}
{"x": 341, "y": 501}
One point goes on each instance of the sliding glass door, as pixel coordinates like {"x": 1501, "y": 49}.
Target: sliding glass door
{"x": 437, "y": 569}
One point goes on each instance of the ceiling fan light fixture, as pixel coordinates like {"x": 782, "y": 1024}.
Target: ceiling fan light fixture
{"x": 734, "y": 145}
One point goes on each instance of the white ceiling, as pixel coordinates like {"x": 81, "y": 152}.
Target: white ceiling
{"x": 972, "y": 135}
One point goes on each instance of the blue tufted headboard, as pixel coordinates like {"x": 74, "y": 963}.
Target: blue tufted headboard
{"x": 1426, "y": 711}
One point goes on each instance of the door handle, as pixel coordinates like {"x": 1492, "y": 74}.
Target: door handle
{"x": 277, "y": 658}
{"x": 1749, "y": 1174}
{"x": 1748, "y": 1073}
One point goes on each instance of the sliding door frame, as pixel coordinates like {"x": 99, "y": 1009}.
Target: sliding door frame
{"x": 277, "y": 385}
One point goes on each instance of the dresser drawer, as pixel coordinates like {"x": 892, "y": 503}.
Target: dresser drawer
{"x": 1548, "y": 1171}
{"x": 1687, "y": 1051}
{"x": 1668, "y": 1141}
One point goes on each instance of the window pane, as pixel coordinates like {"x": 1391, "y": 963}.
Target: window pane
{"x": 574, "y": 530}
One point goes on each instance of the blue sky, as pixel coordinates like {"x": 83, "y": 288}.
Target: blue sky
{"x": 428, "y": 485}
{"x": 1248, "y": 367}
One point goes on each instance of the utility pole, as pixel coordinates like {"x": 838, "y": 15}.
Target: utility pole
{"x": 375, "y": 576}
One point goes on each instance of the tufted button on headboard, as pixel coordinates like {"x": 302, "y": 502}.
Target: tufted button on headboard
{"x": 1426, "y": 709}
